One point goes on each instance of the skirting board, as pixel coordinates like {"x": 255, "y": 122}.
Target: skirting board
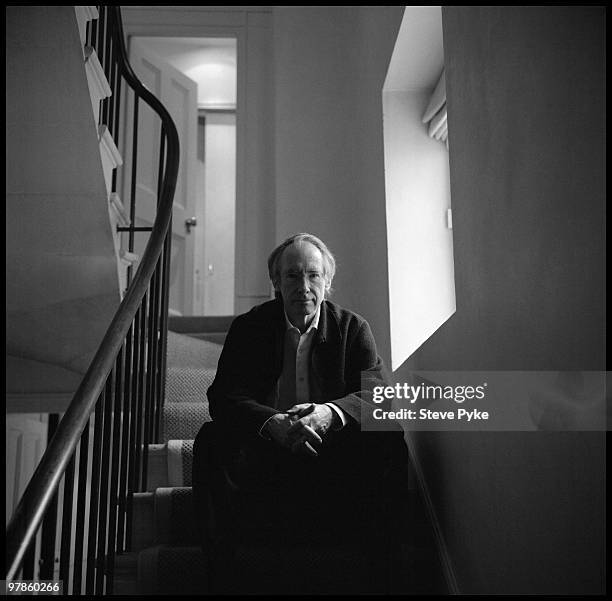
{"x": 445, "y": 559}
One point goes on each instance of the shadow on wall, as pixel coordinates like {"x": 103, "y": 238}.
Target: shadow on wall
{"x": 523, "y": 512}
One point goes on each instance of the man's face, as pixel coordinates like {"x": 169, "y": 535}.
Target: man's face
{"x": 302, "y": 281}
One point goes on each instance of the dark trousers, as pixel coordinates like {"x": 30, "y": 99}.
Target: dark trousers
{"x": 253, "y": 488}
{"x": 324, "y": 515}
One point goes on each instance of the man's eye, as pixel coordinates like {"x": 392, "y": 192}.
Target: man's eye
{"x": 315, "y": 276}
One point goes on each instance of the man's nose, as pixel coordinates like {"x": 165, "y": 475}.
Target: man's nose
{"x": 303, "y": 284}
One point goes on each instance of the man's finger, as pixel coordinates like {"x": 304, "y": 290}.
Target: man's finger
{"x": 311, "y": 435}
{"x": 310, "y": 450}
{"x": 306, "y": 435}
{"x": 301, "y": 410}
{"x": 301, "y": 428}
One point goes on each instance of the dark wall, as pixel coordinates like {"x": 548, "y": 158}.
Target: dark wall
{"x": 523, "y": 512}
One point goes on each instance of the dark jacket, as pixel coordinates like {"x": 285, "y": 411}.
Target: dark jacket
{"x": 344, "y": 362}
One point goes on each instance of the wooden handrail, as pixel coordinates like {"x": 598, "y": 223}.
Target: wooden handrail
{"x": 36, "y": 498}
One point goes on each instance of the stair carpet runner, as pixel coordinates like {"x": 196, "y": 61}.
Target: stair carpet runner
{"x": 166, "y": 557}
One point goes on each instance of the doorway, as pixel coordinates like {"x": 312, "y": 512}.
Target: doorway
{"x": 200, "y": 93}
{"x": 216, "y": 185}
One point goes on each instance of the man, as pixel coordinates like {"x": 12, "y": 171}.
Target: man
{"x": 292, "y": 386}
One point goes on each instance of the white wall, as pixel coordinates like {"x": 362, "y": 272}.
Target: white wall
{"x": 420, "y": 245}
{"x": 216, "y": 83}
{"x": 26, "y": 440}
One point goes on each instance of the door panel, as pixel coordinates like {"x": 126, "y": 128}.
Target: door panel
{"x": 178, "y": 93}
{"x": 220, "y": 222}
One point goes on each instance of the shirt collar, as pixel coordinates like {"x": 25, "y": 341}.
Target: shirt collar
{"x": 314, "y": 324}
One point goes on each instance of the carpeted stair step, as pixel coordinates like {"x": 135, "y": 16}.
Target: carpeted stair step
{"x": 182, "y": 421}
{"x": 165, "y": 516}
{"x": 125, "y": 577}
{"x": 166, "y": 557}
{"x": 216, "y": 337}
{"x": 186, "y": 351}
{"x": 188, "y": 384}
{"x": 161, "y": 569}
{"x": 143, "y": 520}
{"x": 172, "y": 570}
{"x": 170, "y": 464}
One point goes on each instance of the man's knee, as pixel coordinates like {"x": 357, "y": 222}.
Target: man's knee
{"x": 202, "y": 451}
{"x": 206, "y": 434}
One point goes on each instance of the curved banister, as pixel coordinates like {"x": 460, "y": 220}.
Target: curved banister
{"x": 29, "y": 513}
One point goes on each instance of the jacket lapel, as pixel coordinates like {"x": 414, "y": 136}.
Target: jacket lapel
{"x": 279, "y": 336}
{"x": 326, "y": 355}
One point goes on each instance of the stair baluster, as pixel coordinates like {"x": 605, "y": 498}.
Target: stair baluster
{"x": 126, "y": 440}
{"x": 79, "y": 537}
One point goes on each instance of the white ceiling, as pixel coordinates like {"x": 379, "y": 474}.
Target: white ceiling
{"x": 418, "y": 57}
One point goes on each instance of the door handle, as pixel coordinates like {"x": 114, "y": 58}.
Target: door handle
{"x": 189, "y": 223}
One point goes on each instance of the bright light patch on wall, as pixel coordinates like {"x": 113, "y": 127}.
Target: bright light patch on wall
{"x": 210, "y": 62}
{"x": 419, "y": 234}
{"x": 217, "y": 84}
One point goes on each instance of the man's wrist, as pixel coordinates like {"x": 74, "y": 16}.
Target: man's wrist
{"x": 264, "y": 431}
{"x": 337, "y": 420}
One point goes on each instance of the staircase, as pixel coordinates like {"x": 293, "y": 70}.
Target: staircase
{"x": 166, "y": 557}
{"x": 110, "y": 156}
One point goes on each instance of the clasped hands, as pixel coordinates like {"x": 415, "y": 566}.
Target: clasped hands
{"x": 301, "y": 428}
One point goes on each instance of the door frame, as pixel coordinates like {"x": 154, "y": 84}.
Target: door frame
{"x": 251, "y": 26}
{"x": 172, "y": 30}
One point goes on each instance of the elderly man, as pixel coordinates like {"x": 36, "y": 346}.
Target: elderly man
{"x": 290, "y": 459}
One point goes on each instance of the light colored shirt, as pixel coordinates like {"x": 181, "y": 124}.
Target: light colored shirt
{"x": 299, "y": 375}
